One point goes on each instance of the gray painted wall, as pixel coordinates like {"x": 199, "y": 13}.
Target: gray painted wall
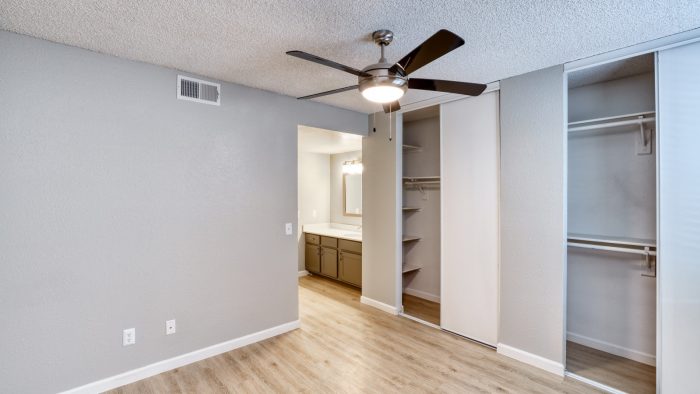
{"x": 381, "y": 204}
{"x": 532, "y": 213}
{"x": 336, "y": 188}
{"x": 123, "y": 207}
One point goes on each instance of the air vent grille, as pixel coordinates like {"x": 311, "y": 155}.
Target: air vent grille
{"x": 192, "y": 89}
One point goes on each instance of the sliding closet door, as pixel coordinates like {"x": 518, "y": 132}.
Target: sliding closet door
{"x": 470, "y": 194}
{"x": 679, "y": 217}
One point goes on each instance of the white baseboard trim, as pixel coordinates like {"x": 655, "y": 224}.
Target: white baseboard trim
{"x": 422, "y": 294}
{"x": 182, "y": 360}
{"x": 379, "y": 305}
{"x": 611, "y": 348}
{"x": 593, "y": 383}
{"x": 303, "y": 273}
{"x": 532, "y": 359}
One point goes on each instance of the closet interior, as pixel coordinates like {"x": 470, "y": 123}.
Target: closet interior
{"x": 421, "y": 214}
{"x": 612, "y": 211}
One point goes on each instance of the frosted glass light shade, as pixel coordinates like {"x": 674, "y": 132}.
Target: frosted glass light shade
{"x": 382, "y": 94}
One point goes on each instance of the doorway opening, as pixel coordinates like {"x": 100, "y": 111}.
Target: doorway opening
{"x": 330, "y": 205}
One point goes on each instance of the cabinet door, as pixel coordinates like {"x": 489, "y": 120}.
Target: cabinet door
{"x": 329, "y": 262}
{"x": 350, "y": 268}
{"x": 313, "y": 258}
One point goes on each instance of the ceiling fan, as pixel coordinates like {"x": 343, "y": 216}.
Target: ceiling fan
{"x": 385, "y": 83}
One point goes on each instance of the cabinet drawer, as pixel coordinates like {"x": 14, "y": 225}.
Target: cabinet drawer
{"x": 312, "y": 239}
{"x": 329, "y": 241}
{"x": 350, "y": 246}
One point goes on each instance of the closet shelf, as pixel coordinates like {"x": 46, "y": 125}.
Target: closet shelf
{"x": 410, "y": 238}
{"x": 421, "y": 180}
{"x": 411, "y": 209}
{"x": 572, "y": 237}
{"x": 408, "y": 148}
{"x": 638, "y": 118}
{"x": 410, "y": 268}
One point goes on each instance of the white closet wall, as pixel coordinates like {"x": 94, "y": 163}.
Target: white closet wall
{"x": 611, "y": 192}
{"x": 679, "y": 218}
{"x": 423, "y": 162}
{"x": 470, "y": 221}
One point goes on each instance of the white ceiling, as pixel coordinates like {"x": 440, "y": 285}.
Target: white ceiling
{"x": 245, "y": 41}
{"x": 315, "y": 140}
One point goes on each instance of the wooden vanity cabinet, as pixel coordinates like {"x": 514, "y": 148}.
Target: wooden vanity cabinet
{"x": 334, "y": 258}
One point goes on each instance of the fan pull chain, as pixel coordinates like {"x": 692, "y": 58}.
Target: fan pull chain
{"x": 390, "y": 123}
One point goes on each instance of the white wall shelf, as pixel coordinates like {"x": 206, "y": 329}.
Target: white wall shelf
{"x": 411, "y": 148}
{"x": 411, "y": 209}
{"x": 410, "y": 268}
{"x": 410, "y": 238}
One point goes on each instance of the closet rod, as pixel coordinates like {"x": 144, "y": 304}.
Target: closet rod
{"x": 638, "y": 122}
{"x": 612, "y": 248}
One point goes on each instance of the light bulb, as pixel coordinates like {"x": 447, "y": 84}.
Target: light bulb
{"x": 382, "y": 94}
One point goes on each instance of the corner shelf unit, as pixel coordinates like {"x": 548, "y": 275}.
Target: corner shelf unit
{"x": 410, "y": 209}
{"x": 410, "y": 238}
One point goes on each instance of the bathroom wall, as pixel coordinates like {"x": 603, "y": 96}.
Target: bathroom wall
{"x": 314, "y": 193}
{"x": 336, "y": 188}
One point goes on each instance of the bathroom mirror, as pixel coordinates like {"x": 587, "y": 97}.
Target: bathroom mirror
{"x": 352, "y": 194}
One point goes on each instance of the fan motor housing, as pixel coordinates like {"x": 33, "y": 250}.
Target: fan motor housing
{"x": 379, "y": 75}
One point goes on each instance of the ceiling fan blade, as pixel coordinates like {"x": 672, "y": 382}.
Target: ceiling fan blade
{"x": 391, "y": 107}
{"x": 466, "y": 88}
{"x": 345, "y": 89}
{"x": 438, "y": 45}
{"x": 326, "y": 62}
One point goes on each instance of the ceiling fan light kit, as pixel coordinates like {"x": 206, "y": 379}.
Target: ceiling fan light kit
{"x": 386, "y": 83}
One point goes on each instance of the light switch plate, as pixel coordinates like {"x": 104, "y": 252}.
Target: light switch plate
{"x": 129, "y": 337}
{"x": 288, "y": 228}
{"x": 170, "y": 327}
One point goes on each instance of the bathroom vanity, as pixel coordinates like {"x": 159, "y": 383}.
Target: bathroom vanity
{"x": 333, "y": 252}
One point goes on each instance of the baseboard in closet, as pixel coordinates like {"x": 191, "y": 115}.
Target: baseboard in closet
{"x": 303, "y": 273}
{"x": 422, "y": 294}
{"x": 611, "y": 348}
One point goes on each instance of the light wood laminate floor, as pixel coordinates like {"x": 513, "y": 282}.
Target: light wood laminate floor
{"x": 611, "y": 370}
{"x": 422, "y": 309}
{"x": 344, "y": 346}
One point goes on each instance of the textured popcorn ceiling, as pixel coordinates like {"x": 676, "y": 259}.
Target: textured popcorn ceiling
{"x": 245, "y": 41}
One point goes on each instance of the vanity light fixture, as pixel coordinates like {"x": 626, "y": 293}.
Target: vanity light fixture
{"x": 352, "y": 167}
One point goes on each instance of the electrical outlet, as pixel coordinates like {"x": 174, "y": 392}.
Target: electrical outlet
{"x": 129, "y": 337}
{"x": 288, "y": 228}
{"x": 170, "y": 327}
